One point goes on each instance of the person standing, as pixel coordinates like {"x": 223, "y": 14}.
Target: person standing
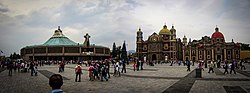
{"x": 91, "y": 76}
{"x": 10, "y": 67}
{"x": 62, "y": 66}
{"x": 232, "y": 68}
{"x": 188, "y": 65}
{"x": 226, "y": 68}
{"x": 32, "y": 70}
{"x": 15, "y": 66}
{"x": 103, "y": 73}
{"x": 134, "y": 66}
{"x": 107, "y": 68}
{"x": 118, "y": 69}
{"x": 95, "y": 71}
{"x": 200, "y": 66}
{"x": 18, "y": 67}
{"x": 55, "y": 82}
{"x": 78, "y": 71}
{"x": 123, "y": 66}
{"x": 211, "y": 67}
{"x": 138, "y": 65}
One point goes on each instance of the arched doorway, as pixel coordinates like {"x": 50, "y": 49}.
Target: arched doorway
{"x": 154, "y": 57}
{"x": 218, "y": 57}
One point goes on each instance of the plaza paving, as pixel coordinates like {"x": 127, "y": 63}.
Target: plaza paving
{"x": 153, "y": 79}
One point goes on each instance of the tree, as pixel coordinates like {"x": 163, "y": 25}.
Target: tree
{"x": 11, "y": 56}
{"x": 245, "y": 46}
{"x": 114, "y": 51}
{"x": 14, "y": 55}
{"x": 124, "y": 52}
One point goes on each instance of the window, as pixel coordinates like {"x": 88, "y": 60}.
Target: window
{"x": 218, "y": 49}
{"x": 193, "y": 52}
{"x": 208, "y": 52}
{"x": 237, "y": 52}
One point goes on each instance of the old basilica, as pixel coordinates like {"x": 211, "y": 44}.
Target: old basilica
{"x": 164, "y": 46}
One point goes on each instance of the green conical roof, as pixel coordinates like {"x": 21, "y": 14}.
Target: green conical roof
{"x": 59, "y": 39}
{"x": 54, "y": 41}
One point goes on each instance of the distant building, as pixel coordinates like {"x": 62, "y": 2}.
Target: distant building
{"x": 60, "y": 47}
{"x": 159, "y": 47}
{"x": 211, "y": 49}
{"x": 165, "y": 46}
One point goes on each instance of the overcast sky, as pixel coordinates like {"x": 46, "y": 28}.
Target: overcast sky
{"x": 29, "y": 22}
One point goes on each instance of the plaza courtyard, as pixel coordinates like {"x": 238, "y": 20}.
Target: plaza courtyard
{"x": 153, "y": 79}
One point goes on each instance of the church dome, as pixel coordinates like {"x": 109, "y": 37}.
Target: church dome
{"x": 59, "y": 39}
{"x": 217, "y": 34}
{"x": 164, "y": 30}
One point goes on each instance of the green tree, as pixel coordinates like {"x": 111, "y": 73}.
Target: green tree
{"x": 114, "y": 51}
{"x": 11, "y": 56}
{"x": 14, "y": 55}
{"x": 124, "y": 52}
{"x": 245, "y": 46}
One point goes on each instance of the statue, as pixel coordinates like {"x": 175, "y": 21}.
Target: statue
{"x": 86, "y": 42}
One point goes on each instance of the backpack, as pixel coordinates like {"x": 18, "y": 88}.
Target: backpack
{"x": 78, "y": 69}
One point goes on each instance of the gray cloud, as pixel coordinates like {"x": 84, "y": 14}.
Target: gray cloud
{"x": 109, "y": 21}
{"x": 3, "y": 8}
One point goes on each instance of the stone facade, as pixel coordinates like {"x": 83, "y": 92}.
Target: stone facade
{"x": 158, "y": 47}
{"x": 212, "y": 48}
{"x": 165, "y": 46}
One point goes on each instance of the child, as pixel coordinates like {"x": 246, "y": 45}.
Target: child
{"x": 36, "y": 70}
{"x": 134, "y": 66}
{"x": 91, "y": 76}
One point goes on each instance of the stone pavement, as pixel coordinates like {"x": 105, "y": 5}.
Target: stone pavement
{"x": 154, "y": 79}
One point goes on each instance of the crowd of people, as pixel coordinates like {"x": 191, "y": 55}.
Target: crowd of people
{"x": 20, "y": 67}
{"x": 226, "y": 65}
{"x": 100, "y": 69}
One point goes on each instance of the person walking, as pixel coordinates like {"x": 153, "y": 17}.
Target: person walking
{"x": 232, "y": 68}
{"x": 242, "y": 65}
{"x": 226, "y": 67}
{"x": 211, "y": 67}
{"x": 78, "y": 71}
{"x": 188, "y": 65}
